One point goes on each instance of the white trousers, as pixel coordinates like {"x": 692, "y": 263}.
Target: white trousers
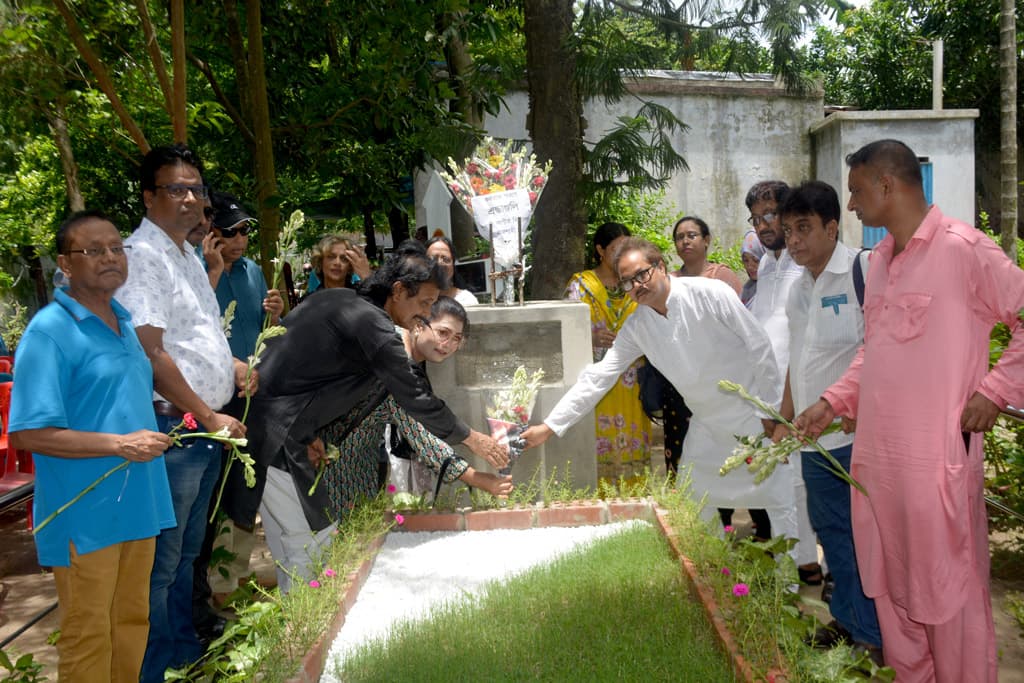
{"x": 295, "y": 547}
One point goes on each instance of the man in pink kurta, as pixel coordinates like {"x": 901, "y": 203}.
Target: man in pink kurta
{"x": 921, "y": 393}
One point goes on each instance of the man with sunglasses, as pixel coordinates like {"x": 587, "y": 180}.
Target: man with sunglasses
{"x": 177, "y": 321}
{"x": 695, "y": 331}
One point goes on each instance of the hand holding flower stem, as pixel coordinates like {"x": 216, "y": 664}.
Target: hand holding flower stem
{"x": 758, "y": 457}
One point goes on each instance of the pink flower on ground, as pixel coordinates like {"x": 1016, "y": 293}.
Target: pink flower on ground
{"x": 740, "y": 589}
{"x": 314, "y": 584}
{"x": 728, "y": 528}
{"x": 391, "y": 488}
{"x": 399, "y": 520}
{"x": 330, "y": 573}
{"x": 190, "y": 421}
{"x": 726, "y": 571}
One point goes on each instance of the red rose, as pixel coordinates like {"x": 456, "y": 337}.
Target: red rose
{"x": 190, "y": 421}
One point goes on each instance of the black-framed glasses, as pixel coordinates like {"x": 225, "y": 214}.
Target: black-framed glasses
{"x": 228, "y": 233}
{"x": 766, "y": 218}
{"x": 641, "y": 277}
{"x": 96, "y": 252}
{"x": 179, "y": 190}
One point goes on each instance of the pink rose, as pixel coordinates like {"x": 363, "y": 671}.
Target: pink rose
{"x": 391, "y": 488}
{"x": 190, "y": 421}
{"x": 740, "y": 589}
{"x": 330, "y": 573}
{"x": 399, "y": 520}
{"x": 533, "y": 197}
{"x": 728, "y": 528}
{"x": 314, "y": 584}
{"x": 726, "y": 572}
{"x": 538, "y": 181}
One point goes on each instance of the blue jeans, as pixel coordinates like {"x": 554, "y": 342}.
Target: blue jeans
{"x": 828, "y": 506}
{"x": 192, "y": 470}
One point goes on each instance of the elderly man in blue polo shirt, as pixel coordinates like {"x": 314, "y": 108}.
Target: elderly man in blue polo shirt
{"x": 83, "y": 405}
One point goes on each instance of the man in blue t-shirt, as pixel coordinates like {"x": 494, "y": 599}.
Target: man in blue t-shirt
{"x": 83, "y": 405}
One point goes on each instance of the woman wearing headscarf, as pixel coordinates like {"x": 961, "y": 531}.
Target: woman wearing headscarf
{"x": 751, "y": 252}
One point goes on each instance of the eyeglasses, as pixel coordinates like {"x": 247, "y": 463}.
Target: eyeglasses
{"x": 683, "y": 236}
{"x": 178, "y": 190}
{"x": 446, "y": 260}
{"x": 228, "y": 233}
{"x": 766, "y": 219}
{"x": 641, "y": 277}
{"x": 96, "y": 252}
{"x": 444, "y": 336}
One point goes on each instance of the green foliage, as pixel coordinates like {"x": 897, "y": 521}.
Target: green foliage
{"x": 22, "y": 670}
{"x": 13, "y": 321}
{"x": 1015, "y": 606}
{"x": 647, "y": 214}
{"x": 879, "y": 57}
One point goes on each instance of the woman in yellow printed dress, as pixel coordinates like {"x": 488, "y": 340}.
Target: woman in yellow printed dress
{"x": 623, "y": 430}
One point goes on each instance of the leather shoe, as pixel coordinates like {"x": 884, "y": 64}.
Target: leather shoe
{"x": 828, "y": 636}
{"x": 826, "y": 588}
{"x": 872, "y": 651}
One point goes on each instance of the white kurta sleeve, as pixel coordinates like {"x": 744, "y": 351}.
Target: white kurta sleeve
{"x": 767, "y": 383}
{"x": 595, "y": 380}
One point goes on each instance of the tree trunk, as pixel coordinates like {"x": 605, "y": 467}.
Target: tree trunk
{"x": 459, "y": 63}
{"x": 61, "y": 138}
{"x": 555, "y": 123}
{"x": 266, "y": 177}
{"x": 99, "y": 70}
{"x": 368, "y": 232}
{"x": 1008, "y": 127}
{"x": 398, "y": 221}
{"x": 179, "y": 120}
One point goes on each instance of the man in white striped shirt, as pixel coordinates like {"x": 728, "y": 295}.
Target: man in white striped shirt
{"x": 826, "y": 326}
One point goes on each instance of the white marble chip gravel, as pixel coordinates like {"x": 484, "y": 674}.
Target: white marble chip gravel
{"x": 417, "y": 571}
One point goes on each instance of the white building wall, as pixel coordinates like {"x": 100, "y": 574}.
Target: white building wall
{"x": 946, "y": 137}
{"x": 741, "y": 131}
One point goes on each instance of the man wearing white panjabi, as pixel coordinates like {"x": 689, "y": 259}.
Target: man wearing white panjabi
{"x": 696, "y": 332}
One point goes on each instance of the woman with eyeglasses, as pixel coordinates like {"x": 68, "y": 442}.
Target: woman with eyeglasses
{"x": 692, "y": 238}
{"x": 418, "y": 458}
{"x": 623, "y": 429}
{"x": 337, "y": 262}
{"x": 440, "y": 249}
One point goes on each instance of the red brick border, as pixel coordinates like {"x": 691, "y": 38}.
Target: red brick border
{"x": 588, "y": 514}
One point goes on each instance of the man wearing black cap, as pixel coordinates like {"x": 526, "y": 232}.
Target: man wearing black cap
{"x": 237, "y": 278}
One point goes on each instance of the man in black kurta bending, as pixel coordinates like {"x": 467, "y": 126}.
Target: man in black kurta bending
{"x": 338, "y": 361}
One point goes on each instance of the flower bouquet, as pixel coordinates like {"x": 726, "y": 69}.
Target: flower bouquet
{"x": 499, "y": 185}
{"x": 509, "y": 412}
